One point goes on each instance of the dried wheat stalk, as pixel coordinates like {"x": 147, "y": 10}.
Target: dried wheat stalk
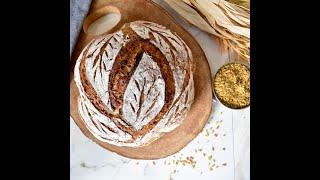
{"x": 226, "y": 21}
{"x": 243, "y": 3}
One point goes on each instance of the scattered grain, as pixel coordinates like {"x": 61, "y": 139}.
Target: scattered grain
{"x": 83, "y": 164}
{"x": 224, "y": 164}
{"x": 206, "y": 133}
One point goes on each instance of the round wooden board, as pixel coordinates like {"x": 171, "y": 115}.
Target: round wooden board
{"x": 198, "y": 115}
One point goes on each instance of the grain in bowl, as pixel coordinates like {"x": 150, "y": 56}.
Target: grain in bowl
{"x": 231, "y": 85}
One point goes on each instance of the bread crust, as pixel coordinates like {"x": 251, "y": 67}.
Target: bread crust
{"x": 134, "y": 84}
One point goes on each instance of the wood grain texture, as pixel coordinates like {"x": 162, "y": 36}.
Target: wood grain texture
{"x": 198, "y": 115}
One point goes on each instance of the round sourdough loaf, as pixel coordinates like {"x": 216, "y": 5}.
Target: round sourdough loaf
{"x": 134, "y": 84}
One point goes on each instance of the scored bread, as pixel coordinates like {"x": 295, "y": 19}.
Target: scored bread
{"x": 135, "y": 84}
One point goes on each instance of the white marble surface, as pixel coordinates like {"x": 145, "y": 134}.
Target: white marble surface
{"x": 230, "y": 139}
